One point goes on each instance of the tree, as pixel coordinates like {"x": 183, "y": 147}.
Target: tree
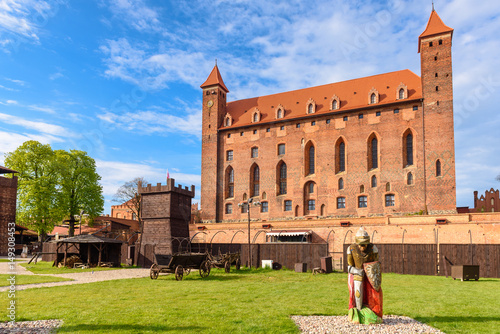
{"x": 128, "y": 195}
{"x": 79, "y": 187}
{"x": 37, "y": 183}
{"x": 54, "y": 185}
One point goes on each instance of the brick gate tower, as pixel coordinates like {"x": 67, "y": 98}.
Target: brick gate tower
{"x": 437, "y": 91}
{"x": 165, "y": 214}
{"x": 8, "y": 195}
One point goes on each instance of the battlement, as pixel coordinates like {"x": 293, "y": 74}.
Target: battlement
{"x": 169, "y": 187}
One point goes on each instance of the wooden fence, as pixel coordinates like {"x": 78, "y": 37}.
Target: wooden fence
{"x": 486, "y": 256}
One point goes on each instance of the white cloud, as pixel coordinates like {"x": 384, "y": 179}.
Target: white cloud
{"x": 56, "y": 76}
{"x": 9, "y": 141}
{"x": 136, "y": 14}
{"x": 42, "y": 127}
{"x": 47, "y": 110}
{"x": 8, "y": 89}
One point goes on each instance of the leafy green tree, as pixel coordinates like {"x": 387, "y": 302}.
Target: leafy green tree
{"x": 37, "y": 183}
{"x": 78, "y": 186}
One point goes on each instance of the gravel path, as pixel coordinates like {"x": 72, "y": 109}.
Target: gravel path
{"x": 31, "y": 327}
{"x": 341, "y": 325}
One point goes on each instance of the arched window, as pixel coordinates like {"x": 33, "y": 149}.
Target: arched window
{"x": 362, "y": 188}
{"x": 229, "y": 182}
{"x": 340, "y": 156}
{"x": 374, "y": 181}
{"x": 409, "y": 179}
{"x": 264, "y": 195}
{"x": 341, "y": 183}
{"x": 310, "y": 109}
{"x": 408, "y": 139}
{"x": 310, "y": 160}
{"x": 388, "y": 186}
{"x": 282, "y": 179}
{"x": 334, "y": 104}
{"x": 401, "y": 94}
{"x": 255, "y": 186}
{"x": 373, "y": 98}
{"x": 228, "y": 121}
{"x": 372, "y": 152}
{"x": 245, "y": 196}
{"x": 280, "y": 113}
{"x": 256, "y": 117}
{"x": 311, "y": 188}
{"x": 438, "y": 167}
{"x": 492, "y": 202}
{"x": 322, "y": 210}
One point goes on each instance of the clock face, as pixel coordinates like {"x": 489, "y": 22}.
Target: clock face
{"x": 210, "y": 103}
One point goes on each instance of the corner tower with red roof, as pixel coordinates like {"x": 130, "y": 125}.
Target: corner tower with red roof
{"x": 214, "y": 110}
{"x": 437, "y": 91}
{"x": 373, "y": 146}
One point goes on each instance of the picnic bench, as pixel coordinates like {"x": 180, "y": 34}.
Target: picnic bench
{"x": 180, "y": 264}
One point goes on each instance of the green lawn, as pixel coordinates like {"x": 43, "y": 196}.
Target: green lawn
{"x": 8, "y": 260}
{"x": 42, "y": 267}
{"x": 30, "y": 279}
{"x": 258, "y": 301}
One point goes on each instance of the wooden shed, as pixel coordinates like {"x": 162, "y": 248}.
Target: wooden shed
{"x": 93, "y": 250}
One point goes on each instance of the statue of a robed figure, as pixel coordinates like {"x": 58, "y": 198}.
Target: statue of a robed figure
{"x": 365, "y": 278}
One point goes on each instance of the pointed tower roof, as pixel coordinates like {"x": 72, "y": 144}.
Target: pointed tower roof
{"x": 215, "y": 79}
{"x": 435, "y": 26}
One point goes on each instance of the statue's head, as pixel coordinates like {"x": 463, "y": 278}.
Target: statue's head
{"x": 362, "y": 237}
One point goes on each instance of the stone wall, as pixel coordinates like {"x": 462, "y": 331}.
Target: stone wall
{"x": 8, "y": 195}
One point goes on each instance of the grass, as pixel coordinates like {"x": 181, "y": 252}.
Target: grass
{"x": 256, "y": 301}
{"x": 43, "y": 267}
{"x": 30, "y": 279}
{"x": 8, "y": 260}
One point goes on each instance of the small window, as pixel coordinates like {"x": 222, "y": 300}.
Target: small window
{"x": 396, "y": 111}
{"x": 281, "y": 149}
{"x": 430, "y": 44}
{"x": 311, "y": 188}
{"x": 288, "y": 205}
{"x": 401, "y": 94}
{"x": 415, "y": 108}
{"x": 360, "y": 116}
{"x": 340, "y": 202}
{"x": 256, "y": 117}
{"x": 373, "y": 98}
{"x": 310, "y": 109}
{"x": 409, "y": 179}
{"x": 254, "y": 132}
{"x": 341, "y": 183}
{"x": 229, "y": 208}
{"x": 311, "y": 205}
{"x": 313, "y": 123}
{"x": 228, "y": 121}
{"x": 255, "y": 152}
{"x": 438, "y": 168}
{"x": 435, "y": 58}
{"x": 268, "y": 130}
{"x": 264, "y": 207}
{"x": 361, "y": 189}
{"x": 242, "y": 133}
{"x": 374, "y": 181}
{"x": 346, "y": 118}
{"x": 334, "y": 104}
{"x": 378, "y": 113}
{"x": 436, "y": 75}
{"x": 440, "y": 42}
{"x": 282, "y": 127}
{"x": 280, "y": 113}
{"x": 228, "y": 135}
{"x": 229, "y": 155}
{"x": 362, "y": 202}
{"x": 328, "y": 121}
{"x": 264, "y": 195}
{"x": 297, "y": 125}
{"x": 389, "y": 200}
{"x": 437, "y": 88}
{"x": 388, "y": 186}
{"x": 244, "y": 208}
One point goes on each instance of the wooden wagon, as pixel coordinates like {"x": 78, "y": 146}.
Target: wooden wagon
{"x": 180, "y": 264}
{"x": 225, "y": 261}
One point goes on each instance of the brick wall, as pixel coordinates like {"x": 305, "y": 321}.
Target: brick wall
{"x": 8, "y": 194}
{"x": 489, "y": 202}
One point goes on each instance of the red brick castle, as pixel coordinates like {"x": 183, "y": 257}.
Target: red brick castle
{"x": 371, "y": 146}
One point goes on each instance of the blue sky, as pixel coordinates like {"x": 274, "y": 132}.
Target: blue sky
{"x": 120, "y": 78}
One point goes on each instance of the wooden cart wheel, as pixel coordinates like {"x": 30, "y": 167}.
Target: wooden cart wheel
{"x": 187, "y": 271}
{"x": 179, "y": 272}
{"x": 238, "y": 264}
{"x": 154, "y": 271}
{"x": 205, "y": 269}
{"x": 227, "y": 267}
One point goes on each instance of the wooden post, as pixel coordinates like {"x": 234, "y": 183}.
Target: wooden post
{"x": 65, "y": 254}
{"x": 100, "y": 253}
{"x": 57, "y": 254}
{"x": 88, "y": 254}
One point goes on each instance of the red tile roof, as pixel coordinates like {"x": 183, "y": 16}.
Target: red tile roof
{"x": 435, "y": 26}
{"x": 353, "y": 94}
{"x": 215, "y": 79}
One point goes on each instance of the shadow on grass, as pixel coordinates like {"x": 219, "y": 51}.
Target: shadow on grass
{"x": 456, "y": 319}
{"x": 128, "y": 328}
{"x": 211, "y": 277}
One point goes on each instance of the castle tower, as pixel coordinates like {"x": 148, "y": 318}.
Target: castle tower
{"x": 165, "y": 213}
{"x": 8, "y": 196}
{"x": 214, "y": 110}
{"x": 437, "y": 89}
